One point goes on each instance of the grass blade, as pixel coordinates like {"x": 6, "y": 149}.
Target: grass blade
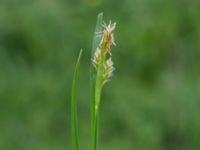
{"x": 98, "y": 28}
{"x": 75, "y": 142}
{"x": 96, "y": 41}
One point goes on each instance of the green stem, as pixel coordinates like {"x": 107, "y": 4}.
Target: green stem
{"x": 96, "y": 119}
{"x": 98, "y": 88}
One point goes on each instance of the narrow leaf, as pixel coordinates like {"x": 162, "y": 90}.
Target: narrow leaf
{"x": 96, "y": 41}
{"x": 75, "y": 143}
{"x": 98, "y": 28}
{"x": 95, "y": 44}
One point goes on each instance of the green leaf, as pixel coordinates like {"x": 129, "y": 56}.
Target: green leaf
{"x": 95, "y": 44}
{"x": 75, "y": 141}
{"x": 98, "y": 28}
{"x": 96, "y": 41}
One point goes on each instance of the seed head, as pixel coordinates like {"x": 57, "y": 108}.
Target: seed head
{"x": 95, "y": 60}
{"x": 107, "y": 35}
{"x": 108, "y": 70}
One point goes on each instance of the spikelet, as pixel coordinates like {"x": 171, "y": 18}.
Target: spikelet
{"x": 95, "y": 60}
{"x": 107, "y": 36}
{"x": 108, "y": 70}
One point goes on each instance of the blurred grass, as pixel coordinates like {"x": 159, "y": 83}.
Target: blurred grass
{"x": 156, "y": 84}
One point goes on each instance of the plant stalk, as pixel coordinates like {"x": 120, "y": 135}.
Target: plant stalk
{"x": 98, "y": 89}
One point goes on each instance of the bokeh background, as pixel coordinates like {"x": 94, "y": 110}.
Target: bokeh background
{"x": 153, "y": 101}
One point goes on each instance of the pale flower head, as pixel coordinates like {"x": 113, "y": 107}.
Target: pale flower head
{"x": 95, "y": 60}
{"x": 108, "y": 70}
{"x": 107, "y": 36}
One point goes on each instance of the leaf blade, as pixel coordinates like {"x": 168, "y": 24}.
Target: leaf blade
{"x": 74, "y": 127}
{"x": 96, "y": 41}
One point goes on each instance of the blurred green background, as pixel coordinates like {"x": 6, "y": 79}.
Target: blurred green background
{"x": 153, "y": 100}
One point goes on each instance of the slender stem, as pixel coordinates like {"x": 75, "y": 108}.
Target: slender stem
{"x": 96, "y": 120}
{"x": 98, "y": 88}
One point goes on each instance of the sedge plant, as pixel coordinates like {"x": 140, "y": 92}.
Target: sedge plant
{"x": 101, "y": 71}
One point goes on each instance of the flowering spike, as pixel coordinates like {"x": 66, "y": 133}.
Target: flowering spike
{"x": 108, "y": 70}
{"x": 102, "y": 56}
{"x": 95, "y": 60}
